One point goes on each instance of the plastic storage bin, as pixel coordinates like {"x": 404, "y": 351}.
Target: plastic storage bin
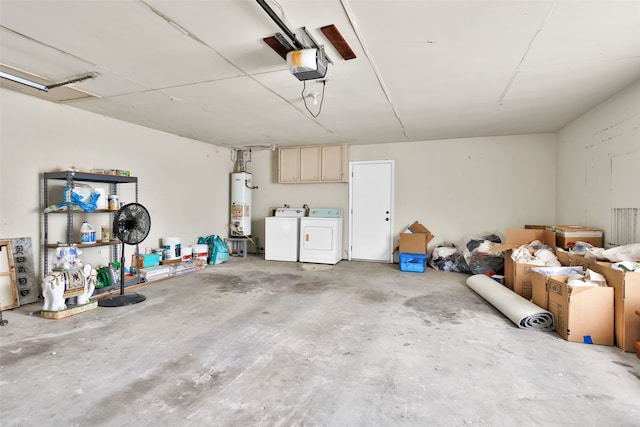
{"x": 412, "y": 262}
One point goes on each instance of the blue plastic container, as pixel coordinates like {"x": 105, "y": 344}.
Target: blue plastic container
{"x": 412, "y": 262}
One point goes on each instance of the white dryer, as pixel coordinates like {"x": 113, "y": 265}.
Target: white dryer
{"x": 321, "y": 236}
{"x": 282, "y": 234}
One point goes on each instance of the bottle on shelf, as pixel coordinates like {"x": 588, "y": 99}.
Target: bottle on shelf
{"x": 87, "y": 233}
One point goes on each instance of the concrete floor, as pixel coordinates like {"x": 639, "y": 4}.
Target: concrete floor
{"x": 252, "y": 343}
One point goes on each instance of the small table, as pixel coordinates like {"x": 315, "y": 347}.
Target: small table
{"x": 237, "y": 246}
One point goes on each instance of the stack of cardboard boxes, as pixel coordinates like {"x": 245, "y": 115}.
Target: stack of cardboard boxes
{"x": 590, "y": 314}
{"x": 593, "y": 304}
{"x": 598, "y": 315}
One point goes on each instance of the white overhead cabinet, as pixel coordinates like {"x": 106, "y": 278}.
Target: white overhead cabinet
{"x": 315, "y": 163}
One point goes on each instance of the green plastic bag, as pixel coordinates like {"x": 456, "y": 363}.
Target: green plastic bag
{"x": 218, "y": 249}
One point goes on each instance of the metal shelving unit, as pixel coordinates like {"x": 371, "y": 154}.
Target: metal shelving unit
{"x": 71, "y": 177}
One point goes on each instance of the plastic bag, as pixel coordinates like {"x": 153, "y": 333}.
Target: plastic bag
{"x": 83, "y": 196}
{"x": 447, "y": 257}
{"x": 218, "y": 249}
{"x": 479, "y": 259}
{"x": 444, "y": 257}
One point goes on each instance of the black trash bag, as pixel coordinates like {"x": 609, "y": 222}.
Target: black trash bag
{"x": 461, "y": 265}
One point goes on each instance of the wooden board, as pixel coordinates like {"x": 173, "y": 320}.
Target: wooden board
{"x": 61, "y": 314}
{"x": 8, "y": 286}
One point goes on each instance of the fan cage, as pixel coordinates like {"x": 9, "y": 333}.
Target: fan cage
{"x": 131, "y": 224}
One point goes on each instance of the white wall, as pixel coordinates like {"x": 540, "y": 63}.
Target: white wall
{"x": 183, "y": 183}
{"x": 454, "y": 187}
{"x": 469, "y": 186}
{"x": 599, "y": 162}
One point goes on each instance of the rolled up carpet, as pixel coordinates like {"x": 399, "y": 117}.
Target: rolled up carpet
{"x": 523, "y": 313}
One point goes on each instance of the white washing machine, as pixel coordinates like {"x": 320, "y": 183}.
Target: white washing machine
{"x": 321, "y": 236}
{"x": 282, "y": 234}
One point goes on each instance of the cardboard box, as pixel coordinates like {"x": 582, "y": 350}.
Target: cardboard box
{"x": 585, "y": 315}
{"x": 539, "y": 289}
{"x": 413, "y": 243}
{"x": 563, "y": 256}
{"x": 145, "y": 260}
{"x": 568, "y": 235}
{"x": 539, "y": 294}
{"x": 540, "y": 278}
{"x": 626, "y": 286}
{"x": 522, "y": 275}
{"x": 416, "y": 240}
{"x": 517, "y": 276}
{"x": 416, "y": 227}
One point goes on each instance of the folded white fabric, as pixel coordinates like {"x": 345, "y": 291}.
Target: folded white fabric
{"x": 535, "y": 253}
{"x": 547, "y": 257}
{"x": 627, "y": 266}
{"x": 630, "y": 252}
{"x": 591, "y": 278}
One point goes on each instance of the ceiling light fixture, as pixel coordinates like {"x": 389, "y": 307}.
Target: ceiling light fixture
{"x": 22, "y": 81}
{"x": 42, "y": 87}
{"x": 317, "y": 99}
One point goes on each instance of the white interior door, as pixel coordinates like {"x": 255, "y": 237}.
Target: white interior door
{"x": 371, "y": 211}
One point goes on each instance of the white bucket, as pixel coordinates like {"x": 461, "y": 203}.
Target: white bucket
{"x": 171, "y": 246}
{"x": 186, "y": 253}
{"x": 200, "y": 252}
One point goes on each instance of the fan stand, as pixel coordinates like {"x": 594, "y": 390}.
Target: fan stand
{"x": 121, "y": 299}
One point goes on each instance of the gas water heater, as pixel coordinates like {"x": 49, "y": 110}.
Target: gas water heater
{"x": 241, "y": 187}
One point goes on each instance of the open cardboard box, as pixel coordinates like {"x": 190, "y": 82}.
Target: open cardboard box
{"x": 517, "y": 276}
{"x": 540, "y": 289}
{"x": 585, "y": 315}
{"x": 416, "y": 240}
{"x": 540, "y": 282}
{"x": 539, "y": 293}
{"x": 626, "y": 286}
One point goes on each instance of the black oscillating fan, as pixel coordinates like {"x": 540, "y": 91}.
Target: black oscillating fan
{"x": 131, "y": 225}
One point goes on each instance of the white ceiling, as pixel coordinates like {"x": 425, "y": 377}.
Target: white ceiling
{"x": 424, "y": 69}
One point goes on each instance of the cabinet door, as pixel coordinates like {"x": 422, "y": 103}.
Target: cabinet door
{"x": 333, "y": 163}
{"x": 289, "y": 164}
{"x": 310, "y": 164}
